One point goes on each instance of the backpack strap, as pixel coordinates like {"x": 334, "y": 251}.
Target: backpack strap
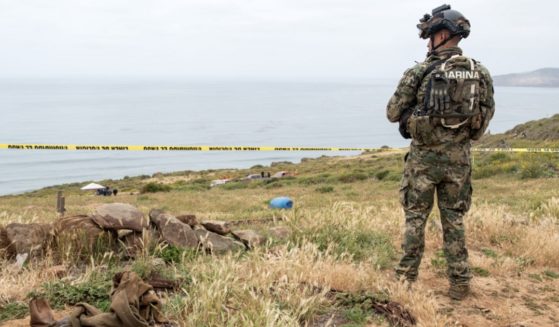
{"x": 432, "y": 67}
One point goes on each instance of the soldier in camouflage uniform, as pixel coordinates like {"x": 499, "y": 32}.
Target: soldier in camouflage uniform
{"x": 442, "y": 104}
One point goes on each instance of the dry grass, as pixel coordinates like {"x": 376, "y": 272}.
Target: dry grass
{"x": 512, "y": 234}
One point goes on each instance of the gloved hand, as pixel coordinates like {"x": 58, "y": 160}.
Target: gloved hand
{"x": 403, "y": 128}
{"x": 439, "y": 100}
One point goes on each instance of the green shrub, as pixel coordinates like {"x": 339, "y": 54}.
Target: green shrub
{"x": 155, "y": 187}
{"x": 394, "y": 177}
{"x": 534, "y": 170}
{"x": 352, "y": 177}
{"x": 356, "y": 315}
{"x": 381, "y": 174}
{"x": 14, "y": 310}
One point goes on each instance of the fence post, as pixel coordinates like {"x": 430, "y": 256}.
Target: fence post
{"x": 60, "y": 203}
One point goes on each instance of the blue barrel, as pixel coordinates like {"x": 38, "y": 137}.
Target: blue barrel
{"x": 282, "y": 202}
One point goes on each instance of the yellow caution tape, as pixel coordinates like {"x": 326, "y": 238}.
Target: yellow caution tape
{"x": 550, "y": 150}
{"x": 75, "y": 147}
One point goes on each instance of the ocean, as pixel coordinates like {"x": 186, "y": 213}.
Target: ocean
{"x": 174, "y": 112}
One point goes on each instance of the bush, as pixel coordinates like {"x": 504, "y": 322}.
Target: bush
{"x": 382, "y": 174}
{"x": 352, "y": 177}
{"x": 200, "y": 181}
{"x": 155, "y": 187}
{"x": 534, "y": 170}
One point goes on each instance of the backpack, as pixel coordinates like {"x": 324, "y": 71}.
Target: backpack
{"x": 453, "y": 93}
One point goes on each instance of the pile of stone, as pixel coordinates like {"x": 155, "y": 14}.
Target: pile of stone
{"x": 129, "y": 225}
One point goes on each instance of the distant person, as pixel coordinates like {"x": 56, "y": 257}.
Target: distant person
{"x": 442, "y": 104}
{"x": 115, "y": 192}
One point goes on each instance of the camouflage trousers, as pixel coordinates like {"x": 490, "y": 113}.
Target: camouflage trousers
{"x": 448, "y": 173}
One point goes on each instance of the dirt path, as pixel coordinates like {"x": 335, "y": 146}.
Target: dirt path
{"x": 508, "y": 301}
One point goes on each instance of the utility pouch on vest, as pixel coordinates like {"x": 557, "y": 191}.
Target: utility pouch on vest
{"x": 421, "y": 129}
{"x": 453, "y": 93}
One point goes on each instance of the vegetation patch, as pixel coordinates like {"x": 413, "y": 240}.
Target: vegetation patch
{"x": 551, "y": 274}
{"x": 482, "y": 272}
{"x": 352, "y": 177}
{"x": 325, "y": 189}
{"x": 489, "y": 252}
{"x": 14, "y": 310}
{"x": 60, "y": 293}
{"x": 235, "y": 186}
{"x": 358, "y": 244}
{"x": 155, "y": 187}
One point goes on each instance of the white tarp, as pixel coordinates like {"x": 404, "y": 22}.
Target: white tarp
{"x": 93, "y": 186}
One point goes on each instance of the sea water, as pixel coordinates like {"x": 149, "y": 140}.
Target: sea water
{"x": 174, "y": 112}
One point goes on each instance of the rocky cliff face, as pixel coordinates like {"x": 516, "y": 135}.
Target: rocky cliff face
{"x": 545, "y": 77}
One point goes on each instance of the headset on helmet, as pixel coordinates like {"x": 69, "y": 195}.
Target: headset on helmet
{"x": 441, "y": 18}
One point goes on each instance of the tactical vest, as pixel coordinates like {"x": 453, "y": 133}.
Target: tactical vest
{"x": 453, "y": 93}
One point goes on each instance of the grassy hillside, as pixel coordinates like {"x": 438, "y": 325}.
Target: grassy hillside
{"x": 346, "y": 229}
{"x": 536, "y": 133}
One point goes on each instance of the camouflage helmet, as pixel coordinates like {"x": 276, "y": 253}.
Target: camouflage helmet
{"x": 441, "y": 18}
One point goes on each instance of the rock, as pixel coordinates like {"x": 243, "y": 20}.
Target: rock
{"x": 3, "y": 241}
{"x": 154, "y": 213}
{"x": 217, "y": 226}
{"x": 21, "y": 258}
{"x": 190, "y": 220}
{"x": 28, "y": 238}
{"x": 217, "y": 244}
{"x": 78, "y": 226}
{"x": 115, "y": 216}
{"x": 280, "y": 232}
{"x": 174, "y": 232}
{"x": 198, "y": 227}
{"x": 133, "y": 244}
{"x": 249, "y": 237}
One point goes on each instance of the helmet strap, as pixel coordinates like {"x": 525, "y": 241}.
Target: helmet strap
{"x": 433, "y": 47}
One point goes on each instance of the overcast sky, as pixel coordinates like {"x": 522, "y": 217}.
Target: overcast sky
{"x": 260, "y": 39}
